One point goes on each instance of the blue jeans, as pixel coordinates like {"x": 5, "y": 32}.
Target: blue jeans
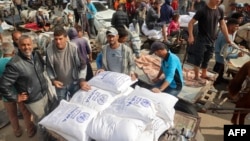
{"x": 169, "y": 90}
{"x": 67, "y": 91}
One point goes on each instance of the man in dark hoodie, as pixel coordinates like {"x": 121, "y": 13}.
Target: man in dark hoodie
{"x": 166, "y": 12}
{"x": 84, "y": 48}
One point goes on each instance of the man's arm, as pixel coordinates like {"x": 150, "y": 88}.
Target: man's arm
{"x": 225, "y": 31}
{"x": 190, "y": 31}
{"x": 131, "y": 63}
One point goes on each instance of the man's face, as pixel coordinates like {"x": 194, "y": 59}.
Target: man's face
{"x": 26, "y": 47}
{"x": 240, "y": 20}
{"x": 15, "y": 37}
{"x": 123, "y": 39}
{"x": 112, "y": 39}
{"x": 161, "y": 53}
{"x": 233, "y": 28}
{"x": 40, "y": 12}
{"x": 215, "y": 2}
{"x": 60, "y": 41}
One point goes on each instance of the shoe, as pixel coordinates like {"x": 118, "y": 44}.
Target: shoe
{"x": 19, "y": 132}
{"x": 32, "y": 132}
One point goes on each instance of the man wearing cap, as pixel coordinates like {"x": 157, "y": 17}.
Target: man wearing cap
{"x": 170, "y": 67}
{"x": 117, "y": 56}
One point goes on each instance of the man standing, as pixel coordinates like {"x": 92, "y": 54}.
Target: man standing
{"x": 74, "y": 6}
{"x": 11, "y": 107}
{"x": 18, "y": 4}
{"x": 201, "y": 48}
{"x": 170, "y": 67}
{"x": 117, "y": 57}
{"x": 66, "y": 70}
{"x": 25, "y": 71}
{"x": 84, "y": 48}
{"x": 119, "y": 18}
{"x": 82, "y": 11}
{"x": 90, "y": 15}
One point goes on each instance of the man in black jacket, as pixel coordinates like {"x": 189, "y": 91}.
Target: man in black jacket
{"x": 26, "y": 72}
{"x": 120, "y": 18}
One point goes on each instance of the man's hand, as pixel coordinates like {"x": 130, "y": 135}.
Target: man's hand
{"x": 156, "y": 90}
{"x": 191, "y": 39}
{"x": 99, "y": 71}
{"x": 57, "y": 84}
{"x": 133, "y": 76}
{"x": 85, "y": 86}
{"x": 22, "y": 97}
{"x": 240, "y": 54}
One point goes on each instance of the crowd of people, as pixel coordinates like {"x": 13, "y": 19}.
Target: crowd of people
{"x": 67, "y": 66}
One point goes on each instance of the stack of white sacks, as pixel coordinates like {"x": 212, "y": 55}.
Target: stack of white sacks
{"x": 112, "y": 111}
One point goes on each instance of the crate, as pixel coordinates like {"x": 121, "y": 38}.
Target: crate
{"x": 187, "y": 122}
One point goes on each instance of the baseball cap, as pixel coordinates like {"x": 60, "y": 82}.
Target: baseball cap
{"x": 112, "y": 31}
{"x": 157, "y": 46}
{"x": 240, "y": 5}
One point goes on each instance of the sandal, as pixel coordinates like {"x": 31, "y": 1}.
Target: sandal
{"x": 18, "y": 133}
{"x": 32, "y": 132}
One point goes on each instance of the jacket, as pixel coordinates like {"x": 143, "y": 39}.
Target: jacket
{"x": 119, "y": 19}
{"x": 26, "y": 75}
{"x": 79, "y": 68}
{"x": 128, "y": 63}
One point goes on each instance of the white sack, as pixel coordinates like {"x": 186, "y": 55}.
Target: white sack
{"x": 69, "y": 120}
{"x": 95, "y": 98}
{"x": 107, "y": 127}
{"x": 137, "y": 107}
{"x": 158, "y": 126}
{"x": 164, "y": 103}
{"x": 152, "y": 34}
{"x": 146, "y": 136}
{"x": 111, "y": 81}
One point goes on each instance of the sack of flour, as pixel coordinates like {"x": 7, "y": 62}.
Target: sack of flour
{"x": 69, "y": 120}
{"x": 95, "y": 98}
{"x": 158, "y": 126}
{"x": 133, "y": 106}
{"x": 111, "y": 81}
{"x": 107, "y": 127}
{"x": 164, "y": 103}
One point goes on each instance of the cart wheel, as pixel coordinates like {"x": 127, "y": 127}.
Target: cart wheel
{"x": 186, "y": 107}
